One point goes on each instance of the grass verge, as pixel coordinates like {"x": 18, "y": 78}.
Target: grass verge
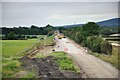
{"x": 29, "y": 75}
{"x": 111, "y": 59}
{"x": 65, "y": 63}
{"x": 10, "y": 67}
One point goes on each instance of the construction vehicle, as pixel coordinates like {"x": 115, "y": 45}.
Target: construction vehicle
{"x": 61, "y": 36}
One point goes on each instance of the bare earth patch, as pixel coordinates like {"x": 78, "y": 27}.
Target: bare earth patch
{"x": 20, "y": 74}
{"x": 47, "y": 67}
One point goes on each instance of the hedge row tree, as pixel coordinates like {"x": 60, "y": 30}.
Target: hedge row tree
{"x": 106, "y": 47}
{"x": 90, "y": 29}
{"x": 11, "y": 36}
{"x": 33, "y": 30}
{"x": 88, "y": 36}
{"x": 94, "y": 43}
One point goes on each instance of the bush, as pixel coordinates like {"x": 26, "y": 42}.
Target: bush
{"x": 93, "y": 43}
{"x": 11, "y": 36}
{"x": 96, "y": 47}
{"x": 79, "y": 38}
{"x": 28, "y": 37}
{"x": 84, "y": 43}
{"x": 106, "y": 47}
{"x": 90, "y": 29}
{"x": 34, "y": 37}
{"x": 50, "y": 33}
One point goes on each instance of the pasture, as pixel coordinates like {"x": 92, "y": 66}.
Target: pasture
{"x": 11, "y": 47}
{"x": 11, "y": 51}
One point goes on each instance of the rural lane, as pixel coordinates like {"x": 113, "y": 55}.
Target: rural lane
{"x": 92, "y": 66}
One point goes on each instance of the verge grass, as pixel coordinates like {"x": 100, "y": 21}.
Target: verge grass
{"x": 48, "y": 41}
{"x": 113, "y": 59}
{"x": 65, "y": 62}
{"x": 10, "y": 67}
{"x": 29, "y": 75}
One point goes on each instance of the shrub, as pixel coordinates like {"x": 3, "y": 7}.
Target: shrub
{"x": 50, "y": 33}
{"x": 34, "y": 37}
{"x": 11, "y": 36}
{"x": 84, "y": 43}
{"x": 106, "y": 47}
{"x": 93, "y": 43}
{"x": 79, "y": 38}
{"x": 28, "y": 37}
{"x": 90, "y": 29}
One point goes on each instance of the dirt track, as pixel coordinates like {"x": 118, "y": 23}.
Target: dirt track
{"x": 93, "y": 67}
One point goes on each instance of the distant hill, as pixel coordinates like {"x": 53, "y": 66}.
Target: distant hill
{"x": 109, "y": 23}
{"x": 106, "y": 23}
{"x": 68, "y": 26}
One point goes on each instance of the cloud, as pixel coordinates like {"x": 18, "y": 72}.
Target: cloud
{"x": 59, "y": 0}
{"x": 42, "y": 13}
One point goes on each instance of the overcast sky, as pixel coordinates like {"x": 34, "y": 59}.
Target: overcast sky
{"x": 56, "y": 13}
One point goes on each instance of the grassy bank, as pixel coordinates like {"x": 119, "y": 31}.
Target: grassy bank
{"x": 65, "y": 62}
{"x": 10, "y": 67}
{"x": 113, "y": 59}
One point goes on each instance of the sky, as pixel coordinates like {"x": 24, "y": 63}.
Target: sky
{"x": 16, "y": 14}
{"x": 60, "y": 0}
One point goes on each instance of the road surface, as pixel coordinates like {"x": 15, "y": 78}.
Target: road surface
{"x": 93, "y": 66}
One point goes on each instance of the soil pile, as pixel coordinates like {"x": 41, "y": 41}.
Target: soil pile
{"x": 43, "y": 67}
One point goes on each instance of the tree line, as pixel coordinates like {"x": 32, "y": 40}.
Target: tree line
{"x": 20, "y": 32}
{"x": 91, "y": 35}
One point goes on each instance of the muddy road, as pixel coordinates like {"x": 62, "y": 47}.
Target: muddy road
{"x": 93, "y": 66}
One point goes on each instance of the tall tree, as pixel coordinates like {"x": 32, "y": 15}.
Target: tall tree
{"x": 90, "y": 29}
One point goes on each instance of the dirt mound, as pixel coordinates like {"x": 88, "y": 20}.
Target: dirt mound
{"x": 43, "y": 67}
{"x": 47, "y": 68}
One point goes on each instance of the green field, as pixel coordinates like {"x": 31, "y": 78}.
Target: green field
{"x": 11, "y": 51}
{"x": 11, "y": 47}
